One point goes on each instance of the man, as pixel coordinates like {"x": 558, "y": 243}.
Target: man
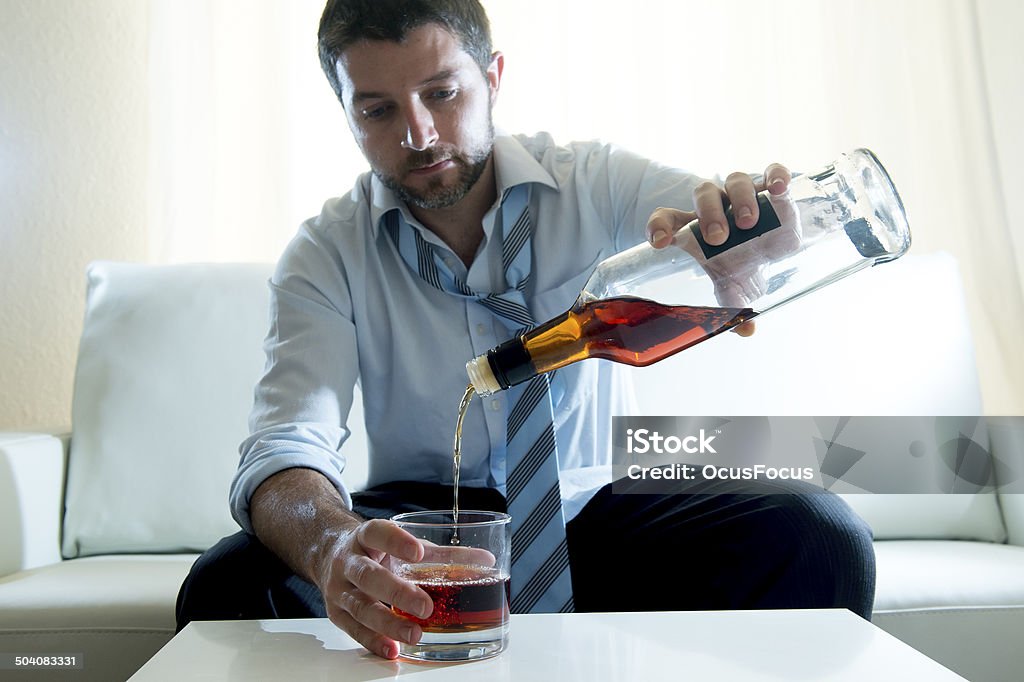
{"x": 388, "y": 285}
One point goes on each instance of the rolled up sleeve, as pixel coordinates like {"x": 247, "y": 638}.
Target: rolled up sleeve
{"x": 303, "y": 400}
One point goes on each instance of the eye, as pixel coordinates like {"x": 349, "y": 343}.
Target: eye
{"x": 376, "y": 112}
{"x": 445, "y": 94}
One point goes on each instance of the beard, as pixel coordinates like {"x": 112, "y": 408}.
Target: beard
{"x": 436, "y": 194}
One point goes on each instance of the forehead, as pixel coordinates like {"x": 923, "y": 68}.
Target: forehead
{"x": 385, "y": 67}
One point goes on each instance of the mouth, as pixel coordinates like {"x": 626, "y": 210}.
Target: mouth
{"x": 435, "y": 167}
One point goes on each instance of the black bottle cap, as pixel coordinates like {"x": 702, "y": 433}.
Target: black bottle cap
{"x": 511, "y": 363}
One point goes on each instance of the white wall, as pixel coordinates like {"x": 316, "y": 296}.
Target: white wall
{"x": 1000, "y": 24}
{"x": 73, "y": 130}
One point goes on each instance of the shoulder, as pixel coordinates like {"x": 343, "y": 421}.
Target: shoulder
{"x": 341, "y": 217}
{"x": 543, "y": 147}
{"x": 328, "y": 245}
{"x": 580, "y": 158}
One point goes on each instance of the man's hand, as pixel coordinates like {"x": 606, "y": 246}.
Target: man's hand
{"x": 355, "y": 580}
{"x": 299, "y": 516}
{"x": 740, "y": 192}
{"x": 710, "y": 200}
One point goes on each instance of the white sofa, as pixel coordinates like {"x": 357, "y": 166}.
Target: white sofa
{"x": 98, "y": 527}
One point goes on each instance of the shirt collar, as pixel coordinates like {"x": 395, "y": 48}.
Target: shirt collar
{"x": 513, "y": 165}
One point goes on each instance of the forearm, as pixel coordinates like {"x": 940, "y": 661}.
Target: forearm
{"x": 300, "y": 516}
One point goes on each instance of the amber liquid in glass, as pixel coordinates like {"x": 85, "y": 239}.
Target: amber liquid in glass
{"x": 466, "y": 598}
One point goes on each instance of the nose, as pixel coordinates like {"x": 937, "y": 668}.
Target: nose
{"x": 420, "y": 133}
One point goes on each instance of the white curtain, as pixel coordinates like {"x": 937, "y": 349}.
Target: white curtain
{"x": 248, "y": 140}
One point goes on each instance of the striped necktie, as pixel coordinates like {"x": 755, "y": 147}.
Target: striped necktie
{"x": 541, "y": 581}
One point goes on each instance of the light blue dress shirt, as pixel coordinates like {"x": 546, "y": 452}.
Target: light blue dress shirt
{"x": 345, "y": 307}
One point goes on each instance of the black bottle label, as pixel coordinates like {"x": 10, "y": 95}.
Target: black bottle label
{"x": 767, "y": 220}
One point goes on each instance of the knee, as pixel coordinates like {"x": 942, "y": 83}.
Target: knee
{"x": 819, "y": 523}
{"x": 837, "y": 530}
{"x": 211, "y": 587}
{"x": 224, "y": 561}
{"x": 835, "y": 550}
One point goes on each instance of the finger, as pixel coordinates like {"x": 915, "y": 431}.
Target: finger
{"x": 381, "y": 584}
{"x": 776, "y": 179}
{"x": 387, "y": 537}
{"x": 743, "y": 199}
{"x": 373, "y": 641}
{"x": 665, "y": 222}
{"x": 379, "y": 618}
{"x": 745, "y": 329}
{"x": 708, "y": 199}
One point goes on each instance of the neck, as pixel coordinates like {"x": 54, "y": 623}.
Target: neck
{"x": 460, "y": 226}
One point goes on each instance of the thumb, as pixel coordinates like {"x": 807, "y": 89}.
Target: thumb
{"x": 664, "y": 223}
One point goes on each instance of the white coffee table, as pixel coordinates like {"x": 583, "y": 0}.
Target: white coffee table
{"x": 721, "y": 645}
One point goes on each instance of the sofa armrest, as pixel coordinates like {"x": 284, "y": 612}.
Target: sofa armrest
{"x": 31, "y": 499}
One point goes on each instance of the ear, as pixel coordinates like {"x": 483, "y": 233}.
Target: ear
{"x": 494, "y": 72}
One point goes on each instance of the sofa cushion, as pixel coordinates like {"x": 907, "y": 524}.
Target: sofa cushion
{"x": 166, "y": 367}
{"x": 931, "y": 516}
{"x": 916, "y": 574}
{"x": 95, "y": 592}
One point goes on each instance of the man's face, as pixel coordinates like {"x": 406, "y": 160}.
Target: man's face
{"x": 420, "y": 112}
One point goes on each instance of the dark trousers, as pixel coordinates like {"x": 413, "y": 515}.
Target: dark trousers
{"x": 721, "y": 545}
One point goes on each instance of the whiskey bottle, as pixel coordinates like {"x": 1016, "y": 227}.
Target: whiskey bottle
{"x": 644, "y": 304}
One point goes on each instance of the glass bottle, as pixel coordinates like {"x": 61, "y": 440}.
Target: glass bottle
{"x": 644, "y": 304}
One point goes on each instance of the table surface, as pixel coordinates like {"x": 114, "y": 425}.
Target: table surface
{"x": 592, "y": 647}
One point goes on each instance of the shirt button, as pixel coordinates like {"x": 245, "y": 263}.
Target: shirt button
{"x": 496, "y": 404}
{"x": 481, "y": 329}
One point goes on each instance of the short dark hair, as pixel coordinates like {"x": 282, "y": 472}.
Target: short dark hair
{"x": 345, "y": 22}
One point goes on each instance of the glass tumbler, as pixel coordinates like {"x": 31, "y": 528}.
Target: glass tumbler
{"x": 465, "y": 570}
